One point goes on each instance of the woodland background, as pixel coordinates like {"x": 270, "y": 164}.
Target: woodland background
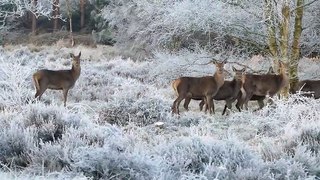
{"x": 131, "y": 51}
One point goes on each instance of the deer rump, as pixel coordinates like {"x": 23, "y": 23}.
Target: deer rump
{"x": 196, "y": 86}
{"x": 229, "y": 92}
{"x": 53, "y": 79}
{"x": 262, "y": 85}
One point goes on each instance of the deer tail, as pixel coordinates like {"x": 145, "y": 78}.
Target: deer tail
{"x": 174, "y": 85}
{"x": 36, "y": 81}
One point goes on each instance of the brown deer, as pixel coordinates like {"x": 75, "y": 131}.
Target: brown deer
{"x": 312, "y": 86}
{"x": 57, "y": 80}
{"x": 228, "y": 91}
{"x": 257, "y": 98}
{"x": 263, "y": 85}
{"x": 199, "y": 87}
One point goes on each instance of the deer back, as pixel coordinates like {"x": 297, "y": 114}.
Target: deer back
{"x": 312, "y": 86}
{"x": 231, "y": 89}
{"x": 267, "y": 83}
{"x": 60, "y": 79}
{"x": 199, "y": 86}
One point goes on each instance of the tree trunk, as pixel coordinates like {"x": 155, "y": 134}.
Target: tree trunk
{"x": 284, "y": 41}
{"x": 70, "y": 22}
{"x": 293, "y": 69}
{"x": 56, "y": 12}
{"x": 272, "y": 40}
{"x": 34, "y": 17}
{"x": 82, "y": 12}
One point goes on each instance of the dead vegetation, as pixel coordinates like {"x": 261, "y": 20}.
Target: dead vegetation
{"x": 60, "y": 38}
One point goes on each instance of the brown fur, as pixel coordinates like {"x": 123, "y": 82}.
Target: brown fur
{"x": 312, "y": 86}
{"x": 199, "y": 87}
{"x": 228, "y": 91}
{"x": 257, "y": 98}
{"x": 57, "y": 80}
{"x": 262, "y": 85}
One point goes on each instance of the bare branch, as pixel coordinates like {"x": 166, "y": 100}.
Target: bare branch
{"x": 307, "y": 4}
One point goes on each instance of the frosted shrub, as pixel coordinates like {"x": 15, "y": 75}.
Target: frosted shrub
{"x": 286, "y": 168}
{"x": 108, "y": 163}
{"x": 311, "y": 139}
{"x": 16, "y": 141}
{"x": 167, "y": 66}
{"x": 49, "y": 157}
{"x": 310, "y": 160}
{"x": 140, "y": 112}
{"x": 142, "y": 26}
{"x": 203, "y": 155}
{"x": 47, "y": 122}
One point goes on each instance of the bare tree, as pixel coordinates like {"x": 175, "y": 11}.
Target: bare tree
{"x": 34, "y": 17}
{"x": 56, "y": 14}
{"x": 82, "y": 12}
{"x": 69, "y": 12}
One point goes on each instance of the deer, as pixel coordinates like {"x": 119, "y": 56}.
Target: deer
{"x": 199, "y": 87}
{"x": 264, "y": 85}
{"x": 257, "y": 98}
{"x": 312, "y": 86}
{"x": 228, "y": 91}
{"x": 57, "y": 79}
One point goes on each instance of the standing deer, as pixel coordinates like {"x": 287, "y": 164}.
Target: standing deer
{"x": 257, "y": 98}
{"x": 312, "y": 86}
{"x": 228, "y": 91}
{"x": 57, "y": 80}
{"x": 263, "y": 85}
{"x": 199, "y": 87}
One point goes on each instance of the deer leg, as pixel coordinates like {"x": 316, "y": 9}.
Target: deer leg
{"x": 187, "y": 102}
{"x": 201, "y": 104}
{"x": 176, "y": 103}
{"x": 210, "y": 103}
{"x": 246, "y": 100}
{"x": 40, "y": 91}
{"x": 238, "y": 105}
{"x": 212, "y": 106}
{"x": 227, "y": 105}
{"x": 260, "y": 103}
{"x": 224, "y": 109}
{"x": 206, "y": 105}
{"x": 65, "y": 95}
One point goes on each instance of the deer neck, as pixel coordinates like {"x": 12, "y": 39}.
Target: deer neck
{"x": 219, "y": 78}
{"x": 238, "y": 81}
{"x": 75, "y": 70}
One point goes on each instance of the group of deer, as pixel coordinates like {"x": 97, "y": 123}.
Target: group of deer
{"x": 243, "y": 88}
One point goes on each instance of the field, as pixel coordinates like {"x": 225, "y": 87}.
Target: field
{"x": 108, "y": 129}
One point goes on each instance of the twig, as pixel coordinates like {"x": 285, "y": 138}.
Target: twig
{"x": 247, "y": 67}
{"x": 304, "y": 5}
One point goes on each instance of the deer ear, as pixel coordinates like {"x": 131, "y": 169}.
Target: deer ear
{"x": 233, "y": 68}
{"x": 79, "y": 54}
{"x": 270, "y": 71}
{"x": 71, "y": 55}
{"x": 243, "y": 69}
{"x": 281, "y": 64}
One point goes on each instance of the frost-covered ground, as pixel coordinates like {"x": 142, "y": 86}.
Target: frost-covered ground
{"x": 108, "y": 128}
